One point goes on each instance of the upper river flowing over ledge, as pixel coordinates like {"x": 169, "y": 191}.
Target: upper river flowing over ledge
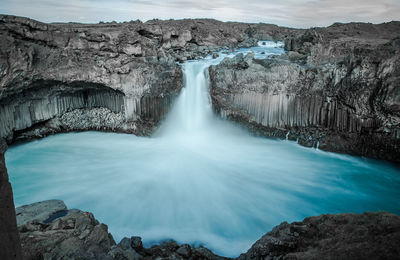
{"x": 199, "y": 179}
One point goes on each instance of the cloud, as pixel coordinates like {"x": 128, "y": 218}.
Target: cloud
{"x": 293, "y": 13}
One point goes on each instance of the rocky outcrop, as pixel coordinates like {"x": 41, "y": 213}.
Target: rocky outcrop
{"x": 10, "y": 247}
{"x": 342, "y": 236}
{"x": 336, "y": 88}
{"x": 49, "y": 230}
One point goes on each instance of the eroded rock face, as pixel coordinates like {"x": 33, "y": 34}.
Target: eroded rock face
{"x": 49, "y": 70}
{"x": 49, "y": 230}
{"x": 128, "y": 69}
{"x": 10, "y": 247}
{"x": 337, "y": 87}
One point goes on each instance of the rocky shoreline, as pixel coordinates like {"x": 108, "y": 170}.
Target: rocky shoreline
{"x": 49, "y": 230}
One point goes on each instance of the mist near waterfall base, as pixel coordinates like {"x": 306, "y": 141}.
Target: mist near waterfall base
{"x": 199, "y": 179}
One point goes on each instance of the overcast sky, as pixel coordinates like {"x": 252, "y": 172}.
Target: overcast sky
{"x": 293, "y": 13}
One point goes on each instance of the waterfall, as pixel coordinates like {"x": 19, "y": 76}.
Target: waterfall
{"x": 192, "y": 114}
{"x": 192, "y": 111}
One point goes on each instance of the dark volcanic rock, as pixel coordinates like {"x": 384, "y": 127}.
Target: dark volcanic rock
{"x": 337, "y": 87}
{"x": 78, "y": 235}
{"x": 71, "y": 235}
{"x": 343, "y": 236}
{"x": 49, "y": 230}
{"x": 49, "y": 73}
{"x": 10, "y": 247}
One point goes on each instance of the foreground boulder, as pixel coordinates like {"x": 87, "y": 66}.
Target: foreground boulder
{"x": 48, "y": 230}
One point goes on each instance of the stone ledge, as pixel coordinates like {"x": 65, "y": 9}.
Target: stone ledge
{"x": 78, "y": 235}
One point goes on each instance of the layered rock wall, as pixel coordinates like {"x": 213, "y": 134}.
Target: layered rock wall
{"x": 42, "y": 104}
{"x": 335, "y": 92}
{"x": 50, "y": 70}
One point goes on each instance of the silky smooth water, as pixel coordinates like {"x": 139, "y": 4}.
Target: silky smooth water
{"x": 199, "y": 179}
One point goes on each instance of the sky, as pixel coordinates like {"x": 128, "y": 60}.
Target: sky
{"x": 291, "y": 13}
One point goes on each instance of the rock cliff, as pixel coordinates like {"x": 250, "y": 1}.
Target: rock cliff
{"x": 337, "y": 88}
{"x": 49, "y": 230}
{"x": 10, "y": 246}
{"x": 50, "y": 73}
{"x": 108, "y": 76}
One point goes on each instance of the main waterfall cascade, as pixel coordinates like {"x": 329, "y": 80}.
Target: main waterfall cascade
{"x": 199, "y": 179}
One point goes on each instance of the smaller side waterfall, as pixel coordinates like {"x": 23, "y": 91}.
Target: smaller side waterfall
{"x": 287, "y": 135}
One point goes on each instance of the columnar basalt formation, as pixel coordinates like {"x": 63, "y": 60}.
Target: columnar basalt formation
{"x": 49, "y": 70}
{"x": 336, "y": 88}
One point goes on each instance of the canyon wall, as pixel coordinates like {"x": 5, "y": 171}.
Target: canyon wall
{"x": 337, "y": 88}
{"x": 108, "y": 76}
